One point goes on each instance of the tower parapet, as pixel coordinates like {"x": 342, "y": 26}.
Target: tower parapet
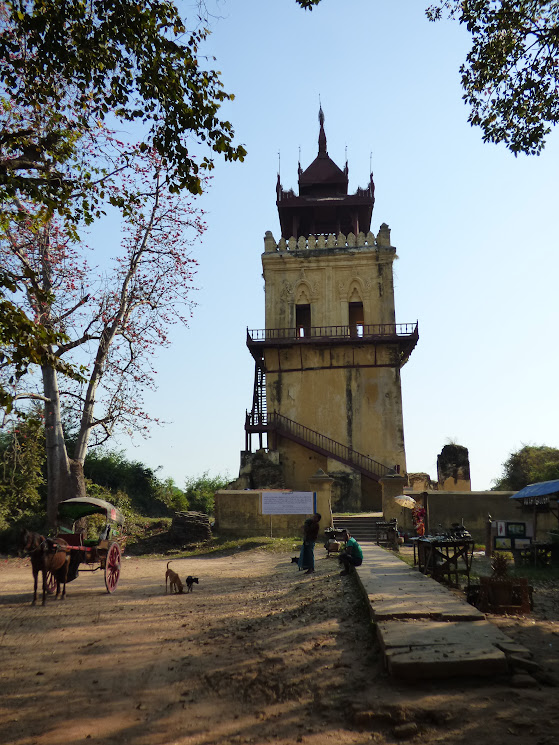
{"x": 328, "y": 241}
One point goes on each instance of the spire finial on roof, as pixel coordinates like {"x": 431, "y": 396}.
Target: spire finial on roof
{"x": 322, "y": 134}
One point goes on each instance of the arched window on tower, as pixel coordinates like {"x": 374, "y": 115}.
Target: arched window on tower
{"x": 356, "y": 319}
{"x": 303, "y": 320}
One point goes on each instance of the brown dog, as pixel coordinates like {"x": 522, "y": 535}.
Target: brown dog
{"x": 175, "y": 583}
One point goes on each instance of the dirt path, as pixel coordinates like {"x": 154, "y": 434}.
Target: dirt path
{"x": 257, "y": 653}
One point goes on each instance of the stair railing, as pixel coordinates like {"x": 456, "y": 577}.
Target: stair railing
{"x": 326, "y": 445}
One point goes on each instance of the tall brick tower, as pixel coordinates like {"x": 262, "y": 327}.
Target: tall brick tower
{"x": 327, "y": 383}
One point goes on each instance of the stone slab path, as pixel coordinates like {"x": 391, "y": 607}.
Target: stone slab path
{"x": 425, "y": 630}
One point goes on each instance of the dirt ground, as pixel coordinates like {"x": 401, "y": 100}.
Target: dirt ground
{"x": 258, "y": 653}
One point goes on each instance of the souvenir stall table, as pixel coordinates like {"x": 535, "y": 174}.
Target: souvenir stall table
{"x": 445, "y": 557}
{"x": 537, "y": 499}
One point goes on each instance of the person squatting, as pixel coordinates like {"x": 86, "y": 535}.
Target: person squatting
{"x": 351, "y": 556}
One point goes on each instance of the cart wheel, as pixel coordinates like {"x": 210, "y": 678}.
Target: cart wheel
{"x": 112, "y": 567}
{"x": 51, "y": 583}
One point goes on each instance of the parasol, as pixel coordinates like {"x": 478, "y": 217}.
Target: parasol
{"x": 405, "y": 501}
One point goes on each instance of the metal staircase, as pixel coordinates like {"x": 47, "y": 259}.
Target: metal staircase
{"x": 275, "y": 424}
{"x": 281, "y": 425}
{"x": 259, "y": 421}
{"x": 256, "y": 421}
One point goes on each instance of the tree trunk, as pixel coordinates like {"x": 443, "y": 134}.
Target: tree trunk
{"x": 65, "y": 477}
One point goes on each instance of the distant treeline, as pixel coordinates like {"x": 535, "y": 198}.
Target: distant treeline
{"x": 110, "y": 475}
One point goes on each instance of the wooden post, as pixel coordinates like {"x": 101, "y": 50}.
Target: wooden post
{"x": 488, "y": 541}
{"x": 535, "y": 551}
{"x": 426, "y": 507}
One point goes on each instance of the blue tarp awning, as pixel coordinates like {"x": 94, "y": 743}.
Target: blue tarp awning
{"x": 542, "y": 489}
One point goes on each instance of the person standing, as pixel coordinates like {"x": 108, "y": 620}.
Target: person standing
{"x": 351, "y": 556}
{"x": 310, "y": 534}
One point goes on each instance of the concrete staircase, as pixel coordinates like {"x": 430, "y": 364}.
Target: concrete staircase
{"x": 363, "y": 527}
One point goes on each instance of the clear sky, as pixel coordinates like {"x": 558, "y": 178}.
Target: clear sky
{"x": 475, "y": 230}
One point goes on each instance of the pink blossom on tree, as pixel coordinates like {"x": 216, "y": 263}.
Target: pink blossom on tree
{"x": 114, "y": 321}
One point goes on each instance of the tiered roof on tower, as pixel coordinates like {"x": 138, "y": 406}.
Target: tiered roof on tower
{"x": 324, "y": 205}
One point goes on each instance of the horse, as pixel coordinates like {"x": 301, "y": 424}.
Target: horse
{"x": 47, "y": 555}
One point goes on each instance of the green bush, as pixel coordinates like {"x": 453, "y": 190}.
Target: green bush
{"x": 200, "y": 491}
{"x": 172, "y": 497}
{"x": 22, "y": 455}
{"x": 11, "y": 529}
{"x": 529, "y": 465}
{"x": 113, "y": 471}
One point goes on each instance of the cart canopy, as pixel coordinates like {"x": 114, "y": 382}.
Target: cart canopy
{"x": 74, "y": 509}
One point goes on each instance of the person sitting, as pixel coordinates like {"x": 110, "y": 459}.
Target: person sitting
{"x": 351, "y": 555}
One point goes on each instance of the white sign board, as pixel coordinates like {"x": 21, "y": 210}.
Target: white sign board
{"x": 288, "y": 503}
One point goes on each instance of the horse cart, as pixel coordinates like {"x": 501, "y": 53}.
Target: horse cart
{"x": 101, "y": 553}
{"x": 59, "y": 559}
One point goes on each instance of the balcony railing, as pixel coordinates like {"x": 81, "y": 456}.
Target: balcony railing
{"x": 328, "y": 333}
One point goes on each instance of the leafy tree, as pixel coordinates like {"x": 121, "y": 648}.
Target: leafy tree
{"x": 65, "y": 67}
{"x": 511, "y": 73}
{"x": 22, "y": 455}
{"x": 170, "y": 494}
{"x": 129, "y": 60}
{"x": 200, "y": 491}
{"x": 119, "y": 498}
{"x": 111, "y": 473}
{"x": 529, "y": 465}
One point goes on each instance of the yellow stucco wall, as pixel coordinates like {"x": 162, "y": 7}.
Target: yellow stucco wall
{"x": 452, "y": 484}
{"x": 329, "y": 280}
{"x": 361, "y": 408}
{"x": 239, "y": 513}
{"x": 473, "y": 508}
{"x": 299, "y": 464}
{"x": 349, "y": 393}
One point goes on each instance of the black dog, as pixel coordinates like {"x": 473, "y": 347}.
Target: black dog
{"x": 189, "y": 582}
{"x": 295, "y": 560}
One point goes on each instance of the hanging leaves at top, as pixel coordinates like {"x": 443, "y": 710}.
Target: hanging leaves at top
{"x": 135, "y": 61}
